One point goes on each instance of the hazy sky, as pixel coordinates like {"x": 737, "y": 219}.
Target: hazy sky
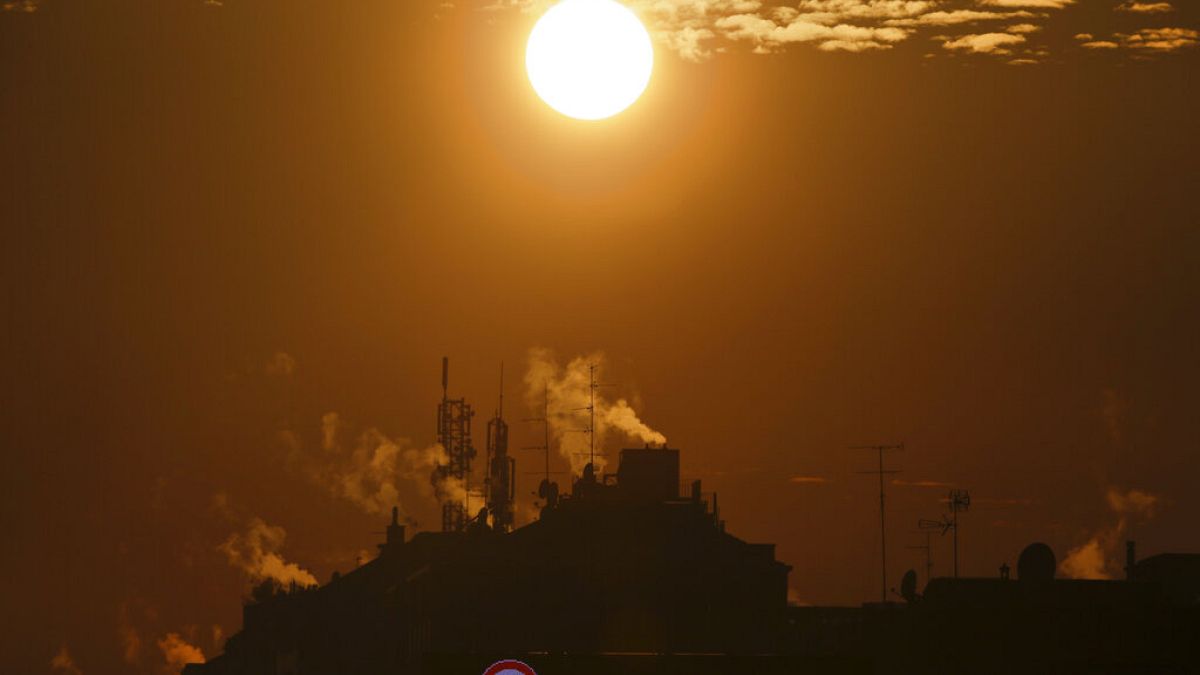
{"x": 238, "y": 238}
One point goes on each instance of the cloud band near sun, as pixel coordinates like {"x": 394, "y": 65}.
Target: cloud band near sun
{"x": 698, "y": 30}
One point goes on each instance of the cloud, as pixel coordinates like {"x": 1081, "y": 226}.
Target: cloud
{"x": 1036, "y": 4}
{"x": 808, "y": 480}
{"x": 26, "y": 6}
{"x": 178, "y": 653}
{"x": 959, "y": 16}
{"x": 255, "y": 551}
{"x": 569, "y": 389}
{"x": 1093, "y": 558}
{"x": 1146, "y": 40}
{"x": 922, "y": 483}
{"x": 768, "y": 35}
{"x": 63, "y": 663}
{"x": 1160, "y": 39}
{"x": 696, "y": 30}
{"x": 1145, "y": 7}
{"x": 985, "y": 43}
{"x": 1023, "y": 28}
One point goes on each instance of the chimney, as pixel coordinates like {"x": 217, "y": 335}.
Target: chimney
{"x": 395, "y": 533}
{"x": 1130, "y": 559}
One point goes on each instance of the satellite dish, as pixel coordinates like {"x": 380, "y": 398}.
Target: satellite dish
{"x": 908, "y": 587}
{"x": 1037, "y": 563}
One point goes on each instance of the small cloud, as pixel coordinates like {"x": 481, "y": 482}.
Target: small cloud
{"x": 1023, "y": 28}
{"x": 921, "y": 483}
{"x": 1084, "y": 36}
{"x": 1100, "y": 44}
{"x": 1160, "y": 39}
{"x": 985, "y": 43}
{"x": 808, "y": 480}
{"x": 1036, "y": 4}
{"x": 1001, "y": 501}
{"x": 25, "y": 6}
{"x": 1145, "y": 7}
{"x": 958, "y": 16}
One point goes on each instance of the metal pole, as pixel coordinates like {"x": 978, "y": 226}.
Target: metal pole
{"x": 882, "y": 535}
{"x": 955, "y": 542}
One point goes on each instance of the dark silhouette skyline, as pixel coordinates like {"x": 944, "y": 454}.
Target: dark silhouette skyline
{"x": 238, "y": 237}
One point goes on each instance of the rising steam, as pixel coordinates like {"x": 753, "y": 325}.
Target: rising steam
{"x": 63, "y": 663}
{"x": 1094, "y": 558}
{"x": 178, "y": 652}
{"x": 256, "y": 552}
{"x": 369, "y": 473}
{"x": 569, "y": 390}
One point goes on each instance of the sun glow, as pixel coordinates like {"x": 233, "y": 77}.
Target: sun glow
{"x": 589, "y": 59}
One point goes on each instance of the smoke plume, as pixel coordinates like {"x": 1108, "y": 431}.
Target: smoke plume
{"x": 1094, "y": 559}
{"x": 178, "y": 653}
{"x": 369, "y": 473}
{"x": 131, "y": 642}
{"x": 569, "y": 391}
{"x": 63, "y": 663}
{"x": 256, "y": 552}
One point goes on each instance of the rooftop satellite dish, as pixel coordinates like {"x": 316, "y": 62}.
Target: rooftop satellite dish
{"x": 1037, "y": 563}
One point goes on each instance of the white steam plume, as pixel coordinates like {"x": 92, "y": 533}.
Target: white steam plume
{"x": 256, "y": 552}
{"x": 1093, "y": 558}
{"x": 178, "y": 653}
{"x": 569, "y": 389}
{"x": 369, "y": 473}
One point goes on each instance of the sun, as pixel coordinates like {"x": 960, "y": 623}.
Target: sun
{"x": 589, "y": 59}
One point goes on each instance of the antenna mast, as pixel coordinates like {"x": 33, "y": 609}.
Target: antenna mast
{"x": 592, "y": 412}
{"x": 882, "y": 517}
{"x": 960, "y": 500}
{"x": 454, "y": 435}
{"x": 928, "y": 548}
{"x": 501, "y": 486}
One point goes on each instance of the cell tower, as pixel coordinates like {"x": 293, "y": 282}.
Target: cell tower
{"x": 501, "y": 484}
{"x": 454, "y": 435}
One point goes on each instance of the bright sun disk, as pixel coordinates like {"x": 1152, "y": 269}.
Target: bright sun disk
{"x": 589, "y": 59}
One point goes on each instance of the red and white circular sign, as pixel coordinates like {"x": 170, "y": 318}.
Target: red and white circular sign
{"x": 509, "y": 667}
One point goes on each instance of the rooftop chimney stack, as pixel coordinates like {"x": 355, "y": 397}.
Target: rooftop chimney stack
{"x": 1130, "y": 559}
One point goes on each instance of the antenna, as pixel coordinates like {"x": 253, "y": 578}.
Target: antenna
{"x": 545, "y": 420}
{"x": 882, "y": 522}
{"x": 960, "y": 500}
{"x": 928, "y": 548}
{"x": 500, "y": 406}
{"x": 454, "y": 435}
{"x": 592, "y": 412}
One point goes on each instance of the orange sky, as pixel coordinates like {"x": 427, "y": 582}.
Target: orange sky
{"x": 780, "y": 254}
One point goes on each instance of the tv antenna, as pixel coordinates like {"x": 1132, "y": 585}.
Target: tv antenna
{"x": 880, "y": 449}
{"x": 959, "y": 501}
{"x": 928, "y": 548}
{"x": 545, "y": 420}
{"x": 590, "y": 429}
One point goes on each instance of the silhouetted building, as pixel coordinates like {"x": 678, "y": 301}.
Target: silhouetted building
{"x": 624, "y": 564}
